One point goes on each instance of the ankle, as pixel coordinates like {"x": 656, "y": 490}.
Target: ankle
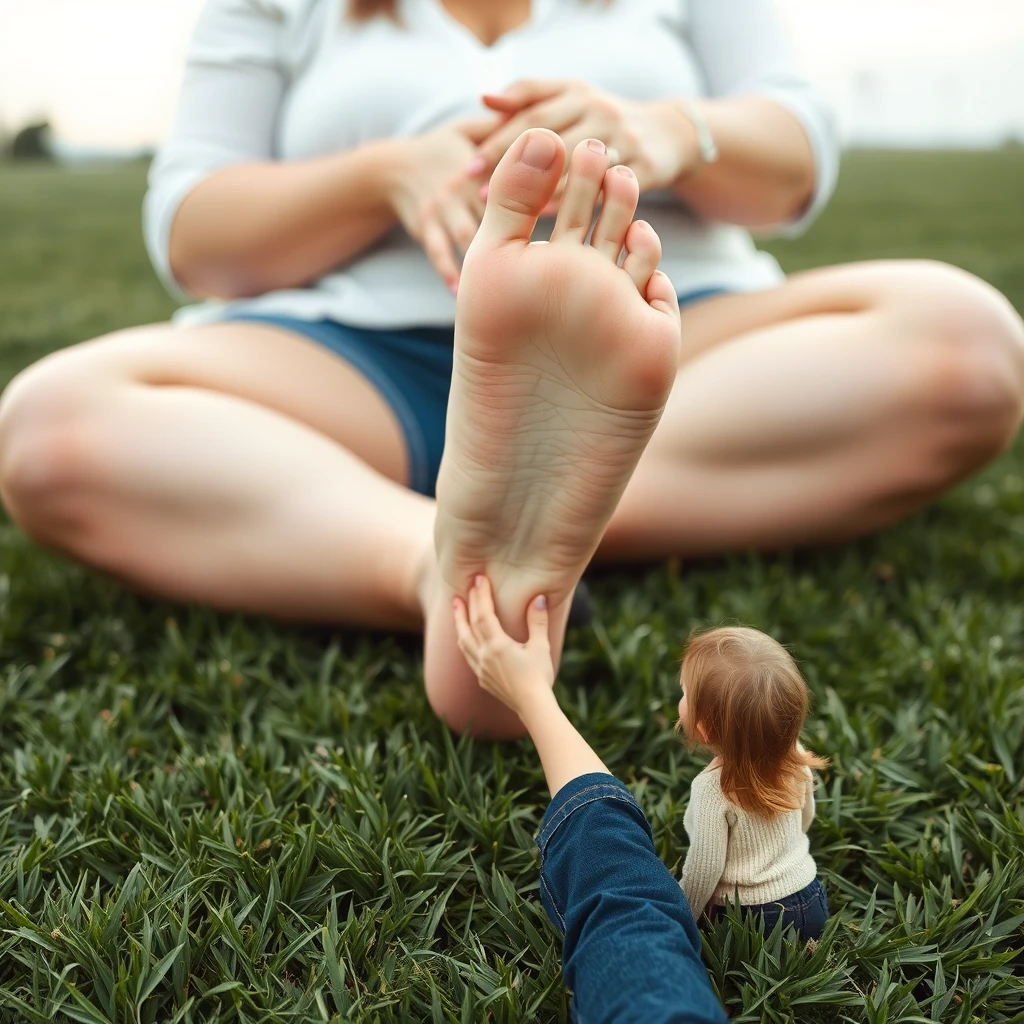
{"x": 426, "y": 579}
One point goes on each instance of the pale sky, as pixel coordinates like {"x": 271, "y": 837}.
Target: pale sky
{"x": 925, "y": 72}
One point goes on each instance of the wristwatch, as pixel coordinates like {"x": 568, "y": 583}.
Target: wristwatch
{"x": 705, "y": 140}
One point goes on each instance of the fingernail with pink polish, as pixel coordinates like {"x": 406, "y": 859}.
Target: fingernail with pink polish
{"x": 484, "y": 191}
{"x": 476, "y": 166}
{"x": 453, "y": 287}
{"x": 541, "y": 602}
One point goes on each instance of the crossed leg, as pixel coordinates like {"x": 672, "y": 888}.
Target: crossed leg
{"x": 232, "y": 464}
{"x": 823, "y": 410}
{"x": 244, "y": 467}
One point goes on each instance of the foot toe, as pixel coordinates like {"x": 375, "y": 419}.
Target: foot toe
{"x": 621, "y": 193}
{"x": 661, "y": 295}
{"x": 522, "y": 185}
{"x": 643, "y": 253}
{"x": 582, "y": 189}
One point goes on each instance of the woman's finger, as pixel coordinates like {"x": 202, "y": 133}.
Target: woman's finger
{"x": 460, "y": 224}
{"x": 556, "y": 114}
{"x": 524, "y": 93}
{"x": 502, "y": 104}
{"x": 476, "y": 129}
{"x": 438, "y": 247}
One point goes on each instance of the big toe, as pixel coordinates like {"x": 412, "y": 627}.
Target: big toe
{"x": 522, "y": 185}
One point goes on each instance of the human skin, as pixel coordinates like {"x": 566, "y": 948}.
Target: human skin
{"x": 239, "y": 465}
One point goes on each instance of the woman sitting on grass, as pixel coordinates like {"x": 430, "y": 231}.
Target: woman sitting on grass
{"x": 278, "y": 447}
{"x": 631, "y": 950}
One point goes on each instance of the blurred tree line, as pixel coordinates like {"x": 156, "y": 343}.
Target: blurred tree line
{"x": 33, "y": 142}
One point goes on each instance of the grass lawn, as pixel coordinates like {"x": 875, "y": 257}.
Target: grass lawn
{"x": 212, "y": 818}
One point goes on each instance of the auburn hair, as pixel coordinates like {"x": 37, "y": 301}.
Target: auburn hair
{"x": 746, "y": 700}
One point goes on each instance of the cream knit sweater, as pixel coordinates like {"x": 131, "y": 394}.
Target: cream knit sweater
{"x": 733, "y": 851}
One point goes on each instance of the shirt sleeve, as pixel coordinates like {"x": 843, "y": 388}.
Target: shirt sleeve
{"x": 807, "y": 811}
{"x": 631, "y": 950}
{"x": 743, "y": 50}
{"x": 708, "y": 829}
{"x": 235, "y": 78}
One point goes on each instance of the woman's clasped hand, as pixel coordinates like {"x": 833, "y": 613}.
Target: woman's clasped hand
{"x": 655, "y": 139}
{"x": 432, "y": 193}
{"x": 437, "y": 181}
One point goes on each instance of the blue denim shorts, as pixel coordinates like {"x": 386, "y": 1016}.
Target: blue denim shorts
{"x": 806, "y": 911}
{"x": 411, "y": 368}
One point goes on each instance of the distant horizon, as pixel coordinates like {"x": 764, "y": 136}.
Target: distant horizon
{"x": 899, "y": 73}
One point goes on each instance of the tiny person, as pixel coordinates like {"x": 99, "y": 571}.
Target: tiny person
{"x": 745, "y": 701}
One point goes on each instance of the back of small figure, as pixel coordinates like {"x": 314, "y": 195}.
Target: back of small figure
{"x": 745, "y": 700}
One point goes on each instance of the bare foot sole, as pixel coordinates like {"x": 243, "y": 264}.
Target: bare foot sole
{"x": 563, "y": 363}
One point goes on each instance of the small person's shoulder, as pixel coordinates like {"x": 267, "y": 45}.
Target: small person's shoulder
{"x": 708, "y": 783}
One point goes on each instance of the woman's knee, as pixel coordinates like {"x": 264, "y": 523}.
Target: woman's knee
{"x": 45, "y": 455}
{"x": 970, "y": 351}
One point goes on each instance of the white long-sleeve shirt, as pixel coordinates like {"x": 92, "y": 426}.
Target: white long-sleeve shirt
{"x": 732, "y": 850}
{"x": 293, "y": 79}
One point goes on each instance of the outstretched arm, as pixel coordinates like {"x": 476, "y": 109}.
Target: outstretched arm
{"x": 631, "y": 950}
{"x": 521, "y": 676}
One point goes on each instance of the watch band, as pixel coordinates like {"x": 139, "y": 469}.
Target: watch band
{"x": 705, "y": 140}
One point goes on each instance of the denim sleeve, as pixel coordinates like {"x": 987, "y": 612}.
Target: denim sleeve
{"x": 631, "y": 950}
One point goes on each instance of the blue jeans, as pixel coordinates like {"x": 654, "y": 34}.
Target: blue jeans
{"x": 631, "y": 949}
{"x": 806, "y": 911}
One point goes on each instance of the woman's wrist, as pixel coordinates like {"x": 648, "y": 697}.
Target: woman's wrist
{"x": 387, "y": 165}
{"x": 673, "y": 149}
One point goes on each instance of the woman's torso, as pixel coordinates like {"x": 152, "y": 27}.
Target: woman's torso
{"x": 353, "y": 82}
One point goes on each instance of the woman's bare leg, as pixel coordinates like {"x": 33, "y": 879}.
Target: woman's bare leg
{"x": 229, "y": 464}
{"x": 824, "y": 409}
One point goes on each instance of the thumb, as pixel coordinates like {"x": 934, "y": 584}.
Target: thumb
{"x": 537, "y": 623}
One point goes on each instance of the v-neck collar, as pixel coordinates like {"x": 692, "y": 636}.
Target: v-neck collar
{"x": 539, "y": 10}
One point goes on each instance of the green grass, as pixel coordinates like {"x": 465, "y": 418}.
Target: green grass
{"x": 212, "y": 818}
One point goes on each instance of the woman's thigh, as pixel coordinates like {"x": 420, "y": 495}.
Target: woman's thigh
{"x": 258, "y": 363}
{"x": 824, "y": 409}
{"x": 232, "y": 464}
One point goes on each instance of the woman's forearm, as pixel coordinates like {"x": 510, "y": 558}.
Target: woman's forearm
{"x": 765, "y": 171}
{"x": 564, "y": 753}
{"x": 255, "y": 227}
